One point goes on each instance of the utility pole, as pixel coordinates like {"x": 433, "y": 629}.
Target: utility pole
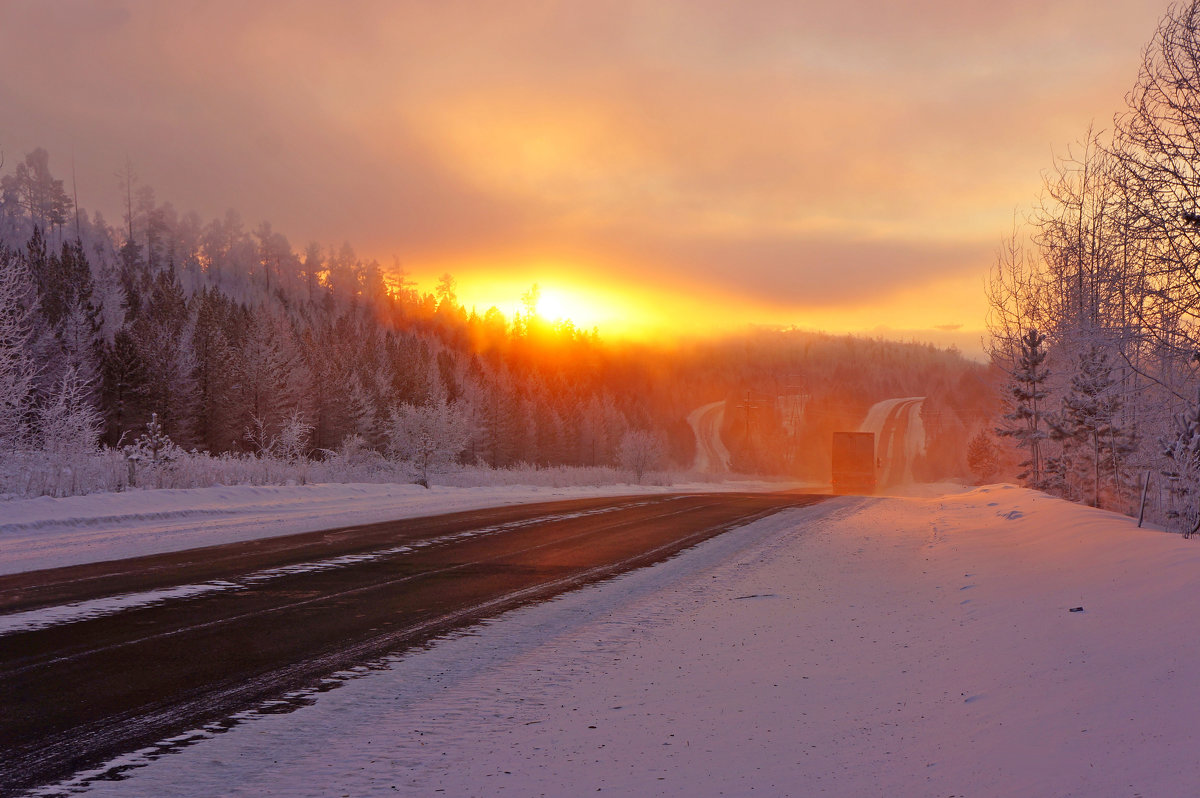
{"x": 748, "y": 405}
{"x": 751, "y": 404}
{"x": 793, "y": 401}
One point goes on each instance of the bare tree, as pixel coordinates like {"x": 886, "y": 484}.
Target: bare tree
{"x": 68, "y": 422}
{"x": 640, "y": 451}
{"x": 1157, "y": 148}
{"x": 1015, "y": 299}
{"x": 18, "y": 369}
{"x": 1076, "y": 232}
{"x": 430, "y": 436}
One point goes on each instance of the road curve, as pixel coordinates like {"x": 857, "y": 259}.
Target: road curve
{"x": 899, "y": 437}
{"x": 711, "y": 454}
{"x": 101, "y": 659}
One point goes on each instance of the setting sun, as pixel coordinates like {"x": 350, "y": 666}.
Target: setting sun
{"x": 558, "y": 304}
{"x": 563, "y": 294}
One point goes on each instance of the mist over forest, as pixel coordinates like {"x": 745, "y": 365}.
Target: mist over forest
{"x": 237, "y": 343}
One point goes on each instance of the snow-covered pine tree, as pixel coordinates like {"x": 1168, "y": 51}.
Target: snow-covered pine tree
{"x": 1089, "y": 423}
{"x": 358, "y": 408}
{"x": 81, "y": 341}
{"x": 1182, "y": 469}
{"x": 164, "y": 337}
{"x": 260, "y": 369}
{"x": 474, "y": 398}
{"x": 214, "y": 375}
{"x": 124, "y": 387}
{"x": 499, "y": 411}
{"x": 1027, "y": 389}
{"x": 152, "y": 450}
{"x": 153, "y": 446}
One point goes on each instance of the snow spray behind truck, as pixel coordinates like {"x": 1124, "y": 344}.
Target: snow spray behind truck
{"x": 854, "y": 462}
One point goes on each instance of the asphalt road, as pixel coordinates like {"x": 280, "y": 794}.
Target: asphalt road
{"x": 201, "y": 634}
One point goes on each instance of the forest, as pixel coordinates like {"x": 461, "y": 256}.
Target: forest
{"x": 1095, "y": 303}
{"x": 183, "y": 352}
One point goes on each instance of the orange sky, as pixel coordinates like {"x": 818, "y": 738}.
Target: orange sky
{"x": 659, "y": 166}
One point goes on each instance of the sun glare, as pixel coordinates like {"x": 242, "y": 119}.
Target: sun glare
{"x": 563, "y": 295}
{"x": 559, "y": 304}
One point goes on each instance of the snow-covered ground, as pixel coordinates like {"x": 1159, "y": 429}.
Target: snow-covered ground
{"x": 891, "y": 646}
{"x": 50, "y": 532}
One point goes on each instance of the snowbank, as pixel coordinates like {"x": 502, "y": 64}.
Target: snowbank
{"x": 49, "y": 532}
{"x": 890, "y": 646}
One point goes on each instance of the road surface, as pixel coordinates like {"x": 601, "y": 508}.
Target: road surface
{"x": 711, "y": 454}
{"x": 899, "y": 437}
{"x": 105, "y": 658}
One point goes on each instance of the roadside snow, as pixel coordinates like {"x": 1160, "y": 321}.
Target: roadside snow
{"x": 888, "y": 646}
{"x": 48, "y": 532}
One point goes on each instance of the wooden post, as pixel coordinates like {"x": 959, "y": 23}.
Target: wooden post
{"x": 1142, "y": 508}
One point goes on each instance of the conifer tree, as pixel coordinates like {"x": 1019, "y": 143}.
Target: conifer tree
{"x": 125, "y": 387}
{"x": 361, "y": 416}
{"x": 32, "y": 188}
{"x": 1182, "y": 452}
{"x": 163, "y": 335}
{"x": 1027, "y": 388}
{"x": 79, "y": 330}
{"x": 983, "y": 458}
{"x": 1089, "y": 419}
{"x": 214, "y": 359}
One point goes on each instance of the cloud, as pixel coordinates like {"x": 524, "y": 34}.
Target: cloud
{"x": 780, "y": 152}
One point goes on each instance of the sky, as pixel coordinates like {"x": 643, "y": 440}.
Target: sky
{"x": 656, "y": 167}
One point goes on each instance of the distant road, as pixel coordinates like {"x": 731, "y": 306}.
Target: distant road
{"x": 899, "y": 437}
{"x": 711, "y": 454}
{"x": 101, "y": 659}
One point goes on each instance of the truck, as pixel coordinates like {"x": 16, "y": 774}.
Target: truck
{"x": 854, "y": 462}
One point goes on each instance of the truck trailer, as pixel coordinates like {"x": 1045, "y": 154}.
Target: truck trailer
{"x": 854, "y": 462}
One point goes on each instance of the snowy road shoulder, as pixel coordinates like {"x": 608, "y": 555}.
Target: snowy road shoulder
{"x": 858, "y": 647}
{"x": 49, "y": 533}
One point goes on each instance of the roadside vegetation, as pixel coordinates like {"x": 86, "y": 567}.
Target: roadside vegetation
{"x": 1095, "y": 303}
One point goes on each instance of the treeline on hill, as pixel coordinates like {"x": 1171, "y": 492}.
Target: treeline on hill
{"x": 1095, "y": 303}
{"x": 787, "y": 391}
{"x": 169, "y": 331}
